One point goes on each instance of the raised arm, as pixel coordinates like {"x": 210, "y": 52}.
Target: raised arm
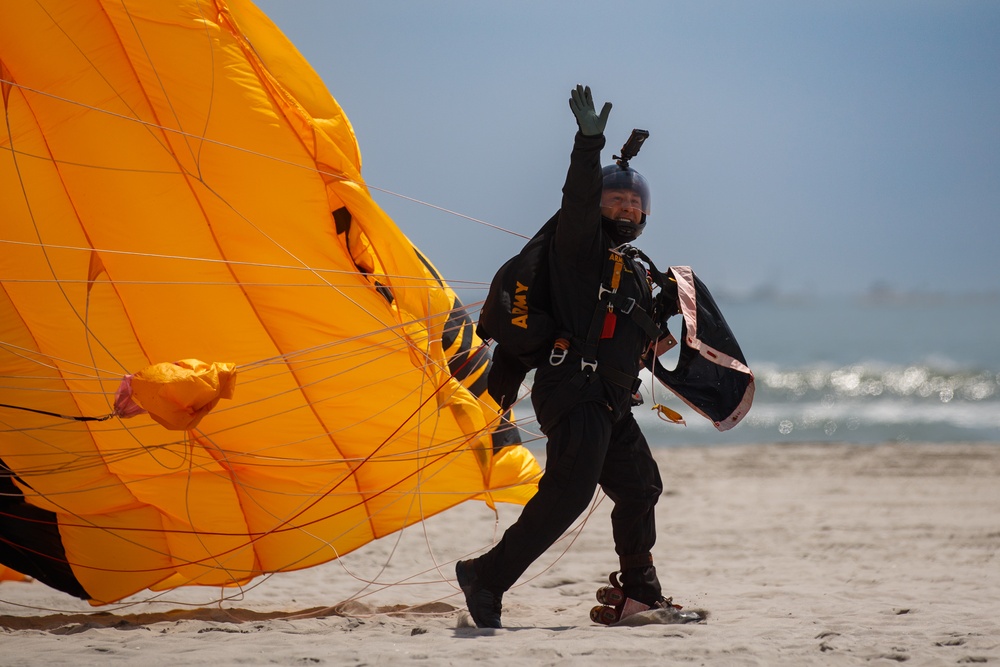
{"x": 578, "y": 234}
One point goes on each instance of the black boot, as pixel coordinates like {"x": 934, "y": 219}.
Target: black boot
{"x": 483, "y": 604}
{"x": 641, "y": 584}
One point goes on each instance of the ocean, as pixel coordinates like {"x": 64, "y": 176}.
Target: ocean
{"x": 869, "y": 369}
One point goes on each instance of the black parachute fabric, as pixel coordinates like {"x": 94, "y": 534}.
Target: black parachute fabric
{"x": 711, "y": 375}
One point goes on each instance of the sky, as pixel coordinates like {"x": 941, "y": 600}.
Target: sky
{"x": 822, "y": 147}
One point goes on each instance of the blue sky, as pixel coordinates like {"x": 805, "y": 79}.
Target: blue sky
{"x": 820, "y": 147}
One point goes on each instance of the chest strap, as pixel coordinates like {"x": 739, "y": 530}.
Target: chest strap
{"x": 611, "y": 301}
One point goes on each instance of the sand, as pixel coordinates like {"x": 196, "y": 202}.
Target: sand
{"x": 802, "y": 554}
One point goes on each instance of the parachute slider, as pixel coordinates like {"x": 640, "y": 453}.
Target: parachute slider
{"x": 631, "y": 147}
{"x": 177, "y": 395}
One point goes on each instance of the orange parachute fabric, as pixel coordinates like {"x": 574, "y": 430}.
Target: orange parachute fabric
{"x": 176, "y": 183}
{"x": 7, "y": 574}
{"x": 178, "y": 395}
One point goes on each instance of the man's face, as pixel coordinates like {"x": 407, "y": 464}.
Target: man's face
{"x": 622, "y": 205}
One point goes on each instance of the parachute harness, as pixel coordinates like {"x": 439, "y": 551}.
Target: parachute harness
{"x": 659, "y": 278}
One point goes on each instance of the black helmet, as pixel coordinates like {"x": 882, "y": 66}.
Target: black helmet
{"x": 616, "y": 177}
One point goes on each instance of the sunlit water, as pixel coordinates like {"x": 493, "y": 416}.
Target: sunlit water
{"x": 856, "y": 370}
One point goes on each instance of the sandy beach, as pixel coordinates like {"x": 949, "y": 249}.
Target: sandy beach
{"x": 801, "y": 554}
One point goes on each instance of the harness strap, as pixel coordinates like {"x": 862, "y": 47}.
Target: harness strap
{"x": 588, "y": 350}
{"x": 658, "y": 276}
{"x": 623, "y": 380}
{"x": 638, "y": 315}
{"x": 610, "y": 301}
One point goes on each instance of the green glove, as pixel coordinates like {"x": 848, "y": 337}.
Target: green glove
{"x": 582, "y": 104}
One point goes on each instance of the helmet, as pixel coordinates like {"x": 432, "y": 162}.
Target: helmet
{"x": 617, "y": 177}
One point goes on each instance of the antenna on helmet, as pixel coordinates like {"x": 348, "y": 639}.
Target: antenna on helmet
{"x": 631, "y": 147}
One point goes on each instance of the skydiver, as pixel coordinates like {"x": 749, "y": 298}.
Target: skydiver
{"x": 585, "y": 409}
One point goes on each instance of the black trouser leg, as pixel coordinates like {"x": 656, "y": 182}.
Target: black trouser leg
{"x": 632, "y": 480}
{"x": 574, "y": 456}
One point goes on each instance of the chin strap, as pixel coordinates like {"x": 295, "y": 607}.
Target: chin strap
{"x": 622, "y": 232}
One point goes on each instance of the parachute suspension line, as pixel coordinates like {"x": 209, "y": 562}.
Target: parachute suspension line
{"x": 98, "y": 377}
{"x": 372, "y": 581}
{"x": 41, "y": 244}
{"x": 99, "y": 167}
{"x": 56, "y": 414}
{"x": 337, "y": 396}
{"x": 252, "y": 537}
{"x": 288, "y": 252}
{"x": 83, "y": 54}
{"x": 209, "y": 260}
{"x": 223, "y": 144}
{"x": 288, "y": 356}
{"x": 213, "y": 557}
{"x": 438, "y": 208}
{"x": 296, "y": 357}
{"x": 85, "y": 319}
{"x": 424, "y": 457}
{"x": 86, "y": 462}
{"x": 23, "y": 353}
{"x": 202, "y": 561}
{"x": 421, "y": 452}
{"x": 575, "y": 532}
{"x": 151, "y": 450}
{"x": 284, "y": 527}
{"x": 222, "y": 283}
{"x": 417, "y": 498}
{"x": 369, "y": 582}
{"x": 200, "y": 138}
{"x": 275, "y": 243}
{"x": 286, "y": 359}
{"x": 396, "y": 459}
{"x": 120, "y": 533}
{"x": 327, "y": 433}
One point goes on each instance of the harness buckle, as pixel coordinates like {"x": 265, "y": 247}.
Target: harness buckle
{"x": 628, "y": 306}
{"x": 588, "y": 365}
{"x": 557, "y": 356}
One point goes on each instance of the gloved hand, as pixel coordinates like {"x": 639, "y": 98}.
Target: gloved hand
{"x": 587, "y": 118}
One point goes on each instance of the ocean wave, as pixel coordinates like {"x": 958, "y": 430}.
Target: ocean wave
{"x": 852, "y": 415}
{"x": 873, "y": 380}
{"x": 866, "y": 402}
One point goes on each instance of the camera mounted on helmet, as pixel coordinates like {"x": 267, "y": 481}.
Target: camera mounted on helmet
{"x": 631, "y": 147}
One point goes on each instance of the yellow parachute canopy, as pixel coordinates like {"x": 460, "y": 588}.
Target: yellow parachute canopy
{"x": 176, "y": 183}
{"x": 7, "y": 574}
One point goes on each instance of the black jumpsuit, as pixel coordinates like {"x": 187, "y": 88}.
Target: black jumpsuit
{"x": 592, "y": 436}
